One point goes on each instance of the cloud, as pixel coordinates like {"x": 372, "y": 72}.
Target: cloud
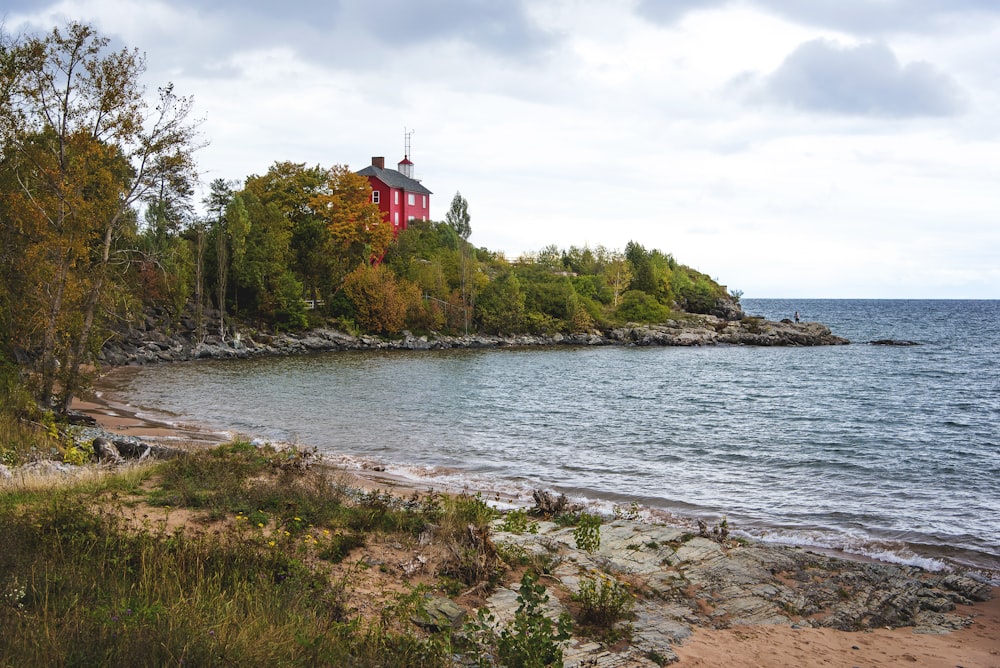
{"x": 863, "y": 80}
{"x": 858, "y": 17}
{"x": 502, "y": 27}
{"x": 350, "y": 35}
{"x": 865, "y": 17}
{"x": 670, "y": 11}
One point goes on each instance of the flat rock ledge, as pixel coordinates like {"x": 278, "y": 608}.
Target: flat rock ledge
{"x": 682, "y": 579}
{"x": 149, "y": 345}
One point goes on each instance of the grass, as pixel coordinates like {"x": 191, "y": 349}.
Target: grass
{"x": 21, "y": 440}
{"x": 264, "y": 580}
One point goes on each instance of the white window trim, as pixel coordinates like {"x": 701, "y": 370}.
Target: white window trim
{"x": 423, "y": 199}
{"x": 375, "y": 197}
{"x": 396, "y": 193}
{"x": 411, "y": 199}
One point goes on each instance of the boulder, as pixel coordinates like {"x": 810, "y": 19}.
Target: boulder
{"x": 439, "y": 613}
{"x": 106, "y": 452}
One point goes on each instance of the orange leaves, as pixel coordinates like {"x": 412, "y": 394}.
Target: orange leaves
{"x": 379, "y": 302}
{"x": 355, "y": 223}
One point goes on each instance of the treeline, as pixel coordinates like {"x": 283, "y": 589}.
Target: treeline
{"x": 99, "y": 225}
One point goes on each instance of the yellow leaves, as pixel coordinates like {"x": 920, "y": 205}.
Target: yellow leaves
{"x": 354, "y": 221}
{"x": 378, "y": 301}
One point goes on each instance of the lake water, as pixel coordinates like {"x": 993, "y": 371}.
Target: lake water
{"x": 889, "y": 452}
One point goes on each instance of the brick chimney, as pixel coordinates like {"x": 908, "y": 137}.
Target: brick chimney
{"x": 378, "y": 161}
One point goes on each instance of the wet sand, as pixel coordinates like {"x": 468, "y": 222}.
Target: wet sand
{"x": 977, "y": 646}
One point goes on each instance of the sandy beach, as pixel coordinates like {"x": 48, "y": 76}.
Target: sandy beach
{"x": 976, "y": 646}
{"x": 782, "y": 646}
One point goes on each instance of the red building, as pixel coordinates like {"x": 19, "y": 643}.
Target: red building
{"x": 400, "y": 196}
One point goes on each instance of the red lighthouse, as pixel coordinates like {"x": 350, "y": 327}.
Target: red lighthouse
{"x": 400, "y": 197}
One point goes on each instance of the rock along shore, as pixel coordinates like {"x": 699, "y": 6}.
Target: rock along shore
{"x": 149, "y": 344}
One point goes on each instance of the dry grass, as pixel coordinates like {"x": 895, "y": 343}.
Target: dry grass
{"x": 228, "y": 556}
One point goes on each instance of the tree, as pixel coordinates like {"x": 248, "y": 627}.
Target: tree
{"x": 354, "y": 221}
{"x": 237, "y": 230}
{"x": 379, "y": 304}
{"x": 501, "y": 305}
{"x": 458, "y": 218}
{"x": 291, "y": 187}
{"x": 86, "y": 150}
{"x": 617, "y": 274}
{"x": 262, "y": 271}
{"x": 219, "y": 196}
{"x": 165, "y": 257}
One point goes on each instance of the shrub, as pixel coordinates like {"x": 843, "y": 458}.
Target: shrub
{"x": 530, "y": 640}
{"x": 638, "y": 306}
{"x": 374, "y": 292}
{"x": 516, "y": 521}
{"x": 587, "y": 533}
{"x": 603, "y": 601}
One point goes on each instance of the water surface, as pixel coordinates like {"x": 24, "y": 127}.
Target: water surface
{"x": 890, "y": 452}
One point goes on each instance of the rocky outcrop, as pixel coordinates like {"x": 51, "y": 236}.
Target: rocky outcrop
{"x": 147, "y": 344}
{"x": 683, "y": 580}
{"x": 711, "y": 330}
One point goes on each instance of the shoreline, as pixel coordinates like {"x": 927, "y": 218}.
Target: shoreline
{"x": 517, "y": 492}
{"x": 770, "y": 644}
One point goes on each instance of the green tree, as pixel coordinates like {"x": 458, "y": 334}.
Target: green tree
{"x": 291, "y": 187}
{"x": 500, "y": 308}
{"x": 166, "y": 259}
{"x": 271, "y": 291}
{"x": 617, "y": 273}
{"x": 458, "y": 218}
{"x": 217, "y": 201}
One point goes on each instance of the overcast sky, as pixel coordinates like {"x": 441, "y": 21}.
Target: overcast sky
{"x": 788, "y": 148}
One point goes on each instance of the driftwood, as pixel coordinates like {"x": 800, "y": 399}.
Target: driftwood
{"x": 547, "y": 505}
{"x": 120, "y": 449}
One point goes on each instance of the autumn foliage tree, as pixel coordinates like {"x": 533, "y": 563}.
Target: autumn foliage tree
{"x": 83, "y": 148}
{"x": 380, "y": 304}
{"x": 356, "y": 224}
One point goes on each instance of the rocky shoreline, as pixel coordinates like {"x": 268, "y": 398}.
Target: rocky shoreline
{"x": 147, "y": 342}
{"x": 689, "y": 579}
{"x": 686, "y": 580}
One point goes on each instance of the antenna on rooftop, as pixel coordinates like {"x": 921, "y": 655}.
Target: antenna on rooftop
{"x": 406, "y": 141}
{"x": 405, "y": 166}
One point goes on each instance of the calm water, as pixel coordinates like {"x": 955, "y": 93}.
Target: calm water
{"x": 891, "y": 452}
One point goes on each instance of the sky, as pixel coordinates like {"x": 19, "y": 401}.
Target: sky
{"x": 787, "y": 148}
